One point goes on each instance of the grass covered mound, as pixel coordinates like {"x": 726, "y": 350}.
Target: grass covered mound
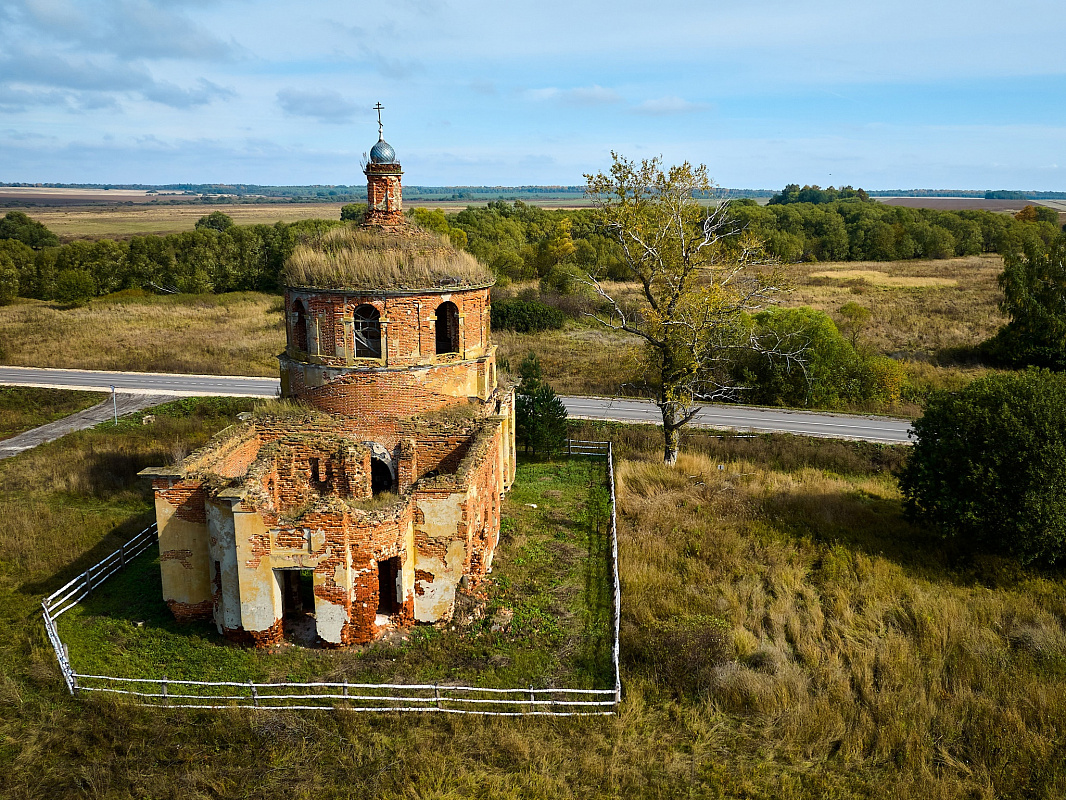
{"x": 848, "y": 654}
{"x": 407, "y": 258}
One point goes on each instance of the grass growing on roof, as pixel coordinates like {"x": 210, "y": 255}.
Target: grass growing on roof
{"x": 410, "y": 258}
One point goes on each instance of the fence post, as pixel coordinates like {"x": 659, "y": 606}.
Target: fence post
{"x": 532, "y": 699}
{"x": 255, "y": 694}
{"x": 436, "y": 693}
{"x": 122, "y": 554}
{"x": 88, "y": 583}
{"x": 569, "y": 447}
{"x": 163, "y": 683}
{"x": 345, "y": 688}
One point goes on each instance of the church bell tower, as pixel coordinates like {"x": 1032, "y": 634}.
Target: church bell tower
{"x": 383, "y": 191}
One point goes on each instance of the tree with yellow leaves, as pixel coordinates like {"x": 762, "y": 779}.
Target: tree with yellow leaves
{"x": 699, "y": 275}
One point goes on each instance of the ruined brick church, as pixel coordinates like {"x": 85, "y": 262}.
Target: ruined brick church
{"x": 366, "y": 502}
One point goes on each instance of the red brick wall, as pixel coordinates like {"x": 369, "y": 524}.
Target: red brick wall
{"x": 186, "y": 496}
{"x": 236, "y": 461}
{"x": 408, "y": 327}
{"x": 384, "y": 195}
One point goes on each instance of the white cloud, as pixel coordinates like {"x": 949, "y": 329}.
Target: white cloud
{"x": 671, "y": 104}
{"x": 325, "y": 106}
{"x": 594, "y": 95}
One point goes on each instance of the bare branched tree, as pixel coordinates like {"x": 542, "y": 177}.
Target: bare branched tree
{"x": 699, "y": 276}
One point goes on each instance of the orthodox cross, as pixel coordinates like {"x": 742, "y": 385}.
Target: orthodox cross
{"x": 379, "y": 108}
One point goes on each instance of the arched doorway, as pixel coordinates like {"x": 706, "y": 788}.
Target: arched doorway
{"x": 299, "y": 326}
{"x": 366, "y": 330}
{"x": 447, "y": 328}
{"x": 380, "y": 476}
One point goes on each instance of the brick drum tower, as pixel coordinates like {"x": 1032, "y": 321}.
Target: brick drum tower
{"x": 364, "y": 501}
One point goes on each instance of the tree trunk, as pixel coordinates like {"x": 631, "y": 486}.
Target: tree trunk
{"x": 671, "y": 433}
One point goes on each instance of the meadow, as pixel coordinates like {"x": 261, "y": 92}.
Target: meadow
{"x": 94, "y": 222}
{"x": 23, "y": 408}
{"x": 928, "y": 313}
{"x": 785, "y": 634}
{"x": 542, "y": 620}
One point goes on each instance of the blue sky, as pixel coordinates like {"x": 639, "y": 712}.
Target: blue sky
{"x": 940, "y": 93}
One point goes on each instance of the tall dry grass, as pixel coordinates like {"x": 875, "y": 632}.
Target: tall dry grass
{"x": 230, "y": 334}
{"x": 853, "y": 639}
{"x": 851, "y": 657}
{"x": 916, "y": 321}
{"x": 409, "y": 258}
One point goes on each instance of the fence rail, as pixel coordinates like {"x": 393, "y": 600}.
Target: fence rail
{"x": 362, "y": 697}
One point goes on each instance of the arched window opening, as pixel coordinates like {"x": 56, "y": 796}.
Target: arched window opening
{"x": 447, "y": 328}
{"x": 299, "y": 326}
{"x": 380, "y": 476}
{"x": 366, "y": 329}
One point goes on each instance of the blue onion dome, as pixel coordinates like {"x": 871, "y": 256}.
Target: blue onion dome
{"x": 382, "y": 153}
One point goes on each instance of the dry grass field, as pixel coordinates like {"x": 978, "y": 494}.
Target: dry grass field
{"x": 920, "y": 311}
{"x": 786, "y": 635}
{"x": 70, "y": 221}
{"x": 94, "y": 222}
{"x": 919, "y": 308}
{"x": 230, "y": 334}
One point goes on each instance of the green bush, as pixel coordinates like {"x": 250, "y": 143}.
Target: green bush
{"x": 16, "y": 225}
{"x": 540, "y": 416}
{"x": 216, "y": 221}
{"x": 988, "y": 469}
{"x": 814, "y": 365}
{"x": 1034, "y": 288}
{"x": 525, "y": 316}
{"x": 74, "y": 286}
{"x": 9, "y": 279}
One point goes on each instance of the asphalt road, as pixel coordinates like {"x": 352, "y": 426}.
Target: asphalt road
{"x": 87, "y": 418}
{"x": 727, "y": 417}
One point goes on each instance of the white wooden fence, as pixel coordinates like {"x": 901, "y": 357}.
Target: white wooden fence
{"x": 418, "y": 698}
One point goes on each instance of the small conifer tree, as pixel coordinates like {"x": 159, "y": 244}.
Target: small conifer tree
{"x": 540, "y": 416}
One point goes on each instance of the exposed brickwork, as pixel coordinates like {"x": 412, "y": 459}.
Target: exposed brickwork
{"x": 432, "y": 419}
{"x": 362, "y": 628}
{"x": 187, "y": 497}
{"x": 384, "y": 195}
{"x": 271, "y": 636}
{"x": 183, "y": 556}
{"x": 188, "y": 612}
{"x": 238, "y": 458}
{"x": 422, "y": 577}
{"x": 408, "y": 326}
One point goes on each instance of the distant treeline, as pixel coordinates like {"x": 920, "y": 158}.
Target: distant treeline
{"x": 518, "y": 241}
{"x": 853, "y": 230}
{"x": 486, "y": 193}
{"x": 213, "y": 258}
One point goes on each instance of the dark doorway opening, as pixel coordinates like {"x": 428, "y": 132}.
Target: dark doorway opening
{"x": 298, "y": 604}
{"x": 297, "y": 591}
{"x": 299, "y": 327}
{"x": 447, "y": 328}
{"x": 380, "y": 476}
{"x": 389, "y": 586}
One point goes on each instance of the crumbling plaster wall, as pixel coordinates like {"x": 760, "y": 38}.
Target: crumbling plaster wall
{"x": 184, "y": 557}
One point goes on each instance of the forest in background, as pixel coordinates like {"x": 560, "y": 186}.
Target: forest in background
{"x": 517, "y": 240}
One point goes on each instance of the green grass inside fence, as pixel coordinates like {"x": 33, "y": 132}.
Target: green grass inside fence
{"x": 550, "y": 582}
